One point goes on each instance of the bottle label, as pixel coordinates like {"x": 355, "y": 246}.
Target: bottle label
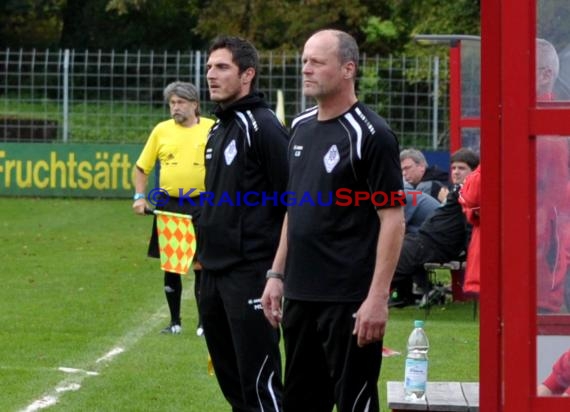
{"x": 416, "y": 375}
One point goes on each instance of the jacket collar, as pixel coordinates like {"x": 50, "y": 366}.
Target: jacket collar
{"x": 251, "y": 101}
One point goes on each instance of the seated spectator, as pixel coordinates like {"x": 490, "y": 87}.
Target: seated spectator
{"x": 419, "y": 206}
{"x": 558, "y": 382}
{"x": 461, "y": 162}
{"x": 442, "y": 237}
{"x": 421, "y": 176}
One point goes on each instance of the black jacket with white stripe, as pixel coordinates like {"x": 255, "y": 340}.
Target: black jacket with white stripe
{"x": 246, "y": 172}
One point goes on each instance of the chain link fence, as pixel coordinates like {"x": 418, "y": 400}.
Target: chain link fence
{"x": 109, "y": 96}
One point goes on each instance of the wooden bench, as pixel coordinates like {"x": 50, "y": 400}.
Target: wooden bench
{"x": 457, "y": 271}
{"x": 440, "y": 397}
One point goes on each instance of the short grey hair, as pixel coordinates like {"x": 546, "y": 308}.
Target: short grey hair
{"x": 414, "y": 154}
{"x": 184, "y": 90}
{"x": 347, "y": 48}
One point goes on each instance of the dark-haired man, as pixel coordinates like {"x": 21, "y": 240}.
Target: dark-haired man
{"x": 246, "y": 152}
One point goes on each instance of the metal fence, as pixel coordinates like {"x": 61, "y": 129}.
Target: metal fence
{"x": 101, "y": 96}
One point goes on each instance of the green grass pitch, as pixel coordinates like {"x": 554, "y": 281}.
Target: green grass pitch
{"x": 81, "y": 307}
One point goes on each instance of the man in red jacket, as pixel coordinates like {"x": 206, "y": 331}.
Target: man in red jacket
{"x": 470, "y": 199}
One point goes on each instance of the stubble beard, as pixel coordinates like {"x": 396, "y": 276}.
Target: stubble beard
{"x": 179, "y": 118}
{"x": 315, "y": 91}
{"x": 225, "y": 100}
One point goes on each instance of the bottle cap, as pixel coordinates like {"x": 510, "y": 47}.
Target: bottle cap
{"x": 418, "y": 323}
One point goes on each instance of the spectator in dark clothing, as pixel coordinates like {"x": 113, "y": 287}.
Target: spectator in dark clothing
{"x": 462, "y": 162}
{"x": 417, "y": 172}
{"x": 442, "y": 237}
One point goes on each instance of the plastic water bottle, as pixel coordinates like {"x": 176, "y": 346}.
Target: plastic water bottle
{"x": 416, "y": 363}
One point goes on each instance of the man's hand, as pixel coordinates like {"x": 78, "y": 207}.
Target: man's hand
{"x": 442, "y": 195}
{"x": 271, "y": 301}
{"x": 371, "y": 319}
{"x": 139, "y": 206}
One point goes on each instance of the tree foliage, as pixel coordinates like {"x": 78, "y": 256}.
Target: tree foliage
{"x": 433, "y": 17}
{"x": 29, "y": 23}
{"x": 156, "y": 24}
{"x": 380, "y": 26}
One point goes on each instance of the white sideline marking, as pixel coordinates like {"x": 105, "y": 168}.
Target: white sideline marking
{"x": 42, "y": 403}
{"x": 70, "y": 387}
{"x": 75, "y": 370}
{"x": 77, "y": 375}
{"x": 45, "y": 369}
{"x": 111, "y": 354}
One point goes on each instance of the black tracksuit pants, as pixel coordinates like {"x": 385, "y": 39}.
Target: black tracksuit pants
{"x": 243, "y": 346}
{"x": 324, "y": 365}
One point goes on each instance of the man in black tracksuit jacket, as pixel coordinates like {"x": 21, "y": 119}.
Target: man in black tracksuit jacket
{"x": 246, "y": 173}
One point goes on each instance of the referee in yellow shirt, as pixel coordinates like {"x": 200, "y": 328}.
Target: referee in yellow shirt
{"x": 178, "y": 144}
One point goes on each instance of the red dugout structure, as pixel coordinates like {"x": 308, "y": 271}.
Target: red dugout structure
{"x": 504, "y": 101}
{"x": 524, "y": 152}
{"x": 464, "y": 87}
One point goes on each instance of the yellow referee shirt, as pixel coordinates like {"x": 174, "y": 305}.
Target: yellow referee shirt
{"x": 180, "y": 151}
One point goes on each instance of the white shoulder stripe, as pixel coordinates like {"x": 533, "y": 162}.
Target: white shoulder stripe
{"x": 358, "y": 131}
{"x": 253, "y": 121}
{"x": 308, "y": 113}
{"x": 243, "y": 119}
{"x": 365, "y": 120}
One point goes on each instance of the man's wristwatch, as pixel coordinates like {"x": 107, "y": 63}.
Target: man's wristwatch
{"x": 138, "y": 196}
{"x": 272, "y": 274}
